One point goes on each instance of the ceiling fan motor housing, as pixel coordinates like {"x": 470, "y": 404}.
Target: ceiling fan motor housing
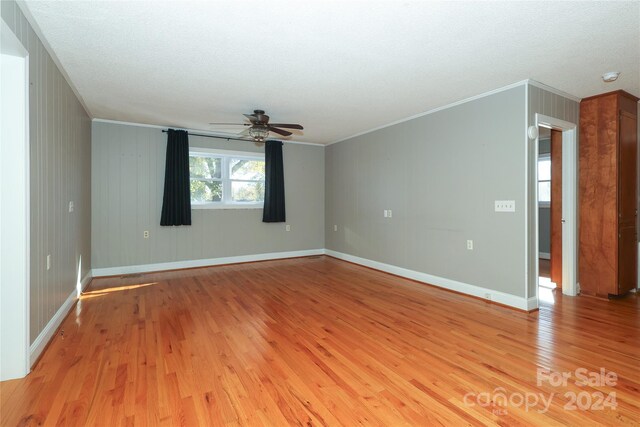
{"x": 260, "y": 117}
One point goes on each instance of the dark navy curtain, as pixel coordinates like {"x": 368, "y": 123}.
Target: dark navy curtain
{"x": 274, "y": 183}
{"x": 176, "y": 203}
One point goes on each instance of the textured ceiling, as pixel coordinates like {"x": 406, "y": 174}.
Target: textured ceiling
{"x": 338, "y": 68}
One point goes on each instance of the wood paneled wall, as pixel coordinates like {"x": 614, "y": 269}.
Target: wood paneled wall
{"x": 60, "y": 152}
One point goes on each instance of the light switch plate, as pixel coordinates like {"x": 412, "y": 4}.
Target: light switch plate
{"x": 505, "y": 206}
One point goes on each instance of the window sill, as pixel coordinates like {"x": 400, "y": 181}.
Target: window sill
{"x": 228, "y": 206}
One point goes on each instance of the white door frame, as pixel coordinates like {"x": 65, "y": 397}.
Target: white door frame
{"x": 569, "y": 202}
{"x": 14, "y": 207}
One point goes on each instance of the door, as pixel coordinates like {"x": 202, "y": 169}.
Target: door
{"x": 556, "y": 207}
{"x": 627, "y": 204}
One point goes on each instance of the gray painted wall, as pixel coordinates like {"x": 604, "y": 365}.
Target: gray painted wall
{"x": 544, "y": 146}
{"x": 440, "y": 175}
{"x": 553, "y": 105}
{"x": 544, "y": 218}
{"x": 128, "y": 177}
{"x": 60, "y": 162}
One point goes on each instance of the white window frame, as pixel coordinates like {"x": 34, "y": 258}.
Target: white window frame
{"x": 544, "y": 156}
{"x": 227, "y": 156}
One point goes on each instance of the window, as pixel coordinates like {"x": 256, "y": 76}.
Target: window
{"x": 544, "y": 180}
{"x": 226, "y": 179}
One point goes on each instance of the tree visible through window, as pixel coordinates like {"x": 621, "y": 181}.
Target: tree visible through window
{"x": 206, "y": 179}
{"x": 247, "y": 180}
{"x": 226, "y": 180}
{"x": 544, "y": 179}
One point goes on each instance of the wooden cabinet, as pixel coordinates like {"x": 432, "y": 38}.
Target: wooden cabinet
{"x": 608, "y": 194}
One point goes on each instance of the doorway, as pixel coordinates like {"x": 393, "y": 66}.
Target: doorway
{"x": 549, "y": 212}
{"x": 562, "y": 201}
{"x": 14, "y": 207}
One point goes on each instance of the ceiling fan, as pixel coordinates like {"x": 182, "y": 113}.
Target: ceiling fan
{"x": 259, "y": 127}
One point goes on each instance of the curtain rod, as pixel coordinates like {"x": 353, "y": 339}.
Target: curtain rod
{"x": 228, "y": 138}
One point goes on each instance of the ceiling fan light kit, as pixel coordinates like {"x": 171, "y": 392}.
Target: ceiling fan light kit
{"x": 259, "y": 133}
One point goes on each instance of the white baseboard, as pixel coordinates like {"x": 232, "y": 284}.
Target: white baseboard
{"x": 465, "y": 288}
{"x": 45, "y": 336}
{"x": 544, "y": 255}
{"x": 175, "y": 265}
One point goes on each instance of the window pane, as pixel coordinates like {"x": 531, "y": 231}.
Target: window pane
{"x": 544, "y": 169}
{"x": 205, "y": 167}
{"x": 203, "y": 191}
{"x": 544, "y": 191}
{"x": 247, "y": 191}
{"x": 247, "y": 169}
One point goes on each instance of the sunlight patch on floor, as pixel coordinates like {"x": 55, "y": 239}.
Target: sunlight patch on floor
{"x": 546, "y": 282}
{"x": 546, "y": 295}
{"x": 545, "y": 290}
{"x": 99, "y": 292}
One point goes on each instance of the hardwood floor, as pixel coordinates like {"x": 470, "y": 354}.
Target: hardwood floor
{"x": 318, "y": 341}
{"x": 544, "y": 268}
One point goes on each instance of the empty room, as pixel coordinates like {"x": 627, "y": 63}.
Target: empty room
{"x": 379, "y": 213}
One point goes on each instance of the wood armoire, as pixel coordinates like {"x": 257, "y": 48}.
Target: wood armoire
{"x": 607, "y": 251}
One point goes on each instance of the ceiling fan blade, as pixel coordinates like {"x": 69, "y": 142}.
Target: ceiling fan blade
{"x": 245, "y": 132}
{"x": 279, "y": 131}
{"x": 230, "y": 124}
{"x": 252, "y": 118}
{"x": 286, "y": 125}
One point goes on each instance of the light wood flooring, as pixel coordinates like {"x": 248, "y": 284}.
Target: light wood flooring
{"x": 544, "y": 268}
{"x": 318, "y": 341}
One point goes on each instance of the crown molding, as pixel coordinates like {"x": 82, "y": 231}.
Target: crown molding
{"x": 553, "y": 90}
{"x": 435, "y": 110}
{"x": 464, "y": 101}
{"x": 36, "y": 29}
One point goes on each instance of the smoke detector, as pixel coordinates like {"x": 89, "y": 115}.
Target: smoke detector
{"x": 611, "y": 76}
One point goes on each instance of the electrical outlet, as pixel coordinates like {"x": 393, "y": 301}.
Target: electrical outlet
{"x": 335, "y": 227}
{"x": 385, "y": 213}
{"x": 505, "y": 205}
{"x": 48, "y": 262}
{"x": 145, "y": 234}
{"x": 389, "y": 213}
{"x": 287, "y": 227}
{"x": 71, "y": 206}
{"x": 470, "y": 245}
